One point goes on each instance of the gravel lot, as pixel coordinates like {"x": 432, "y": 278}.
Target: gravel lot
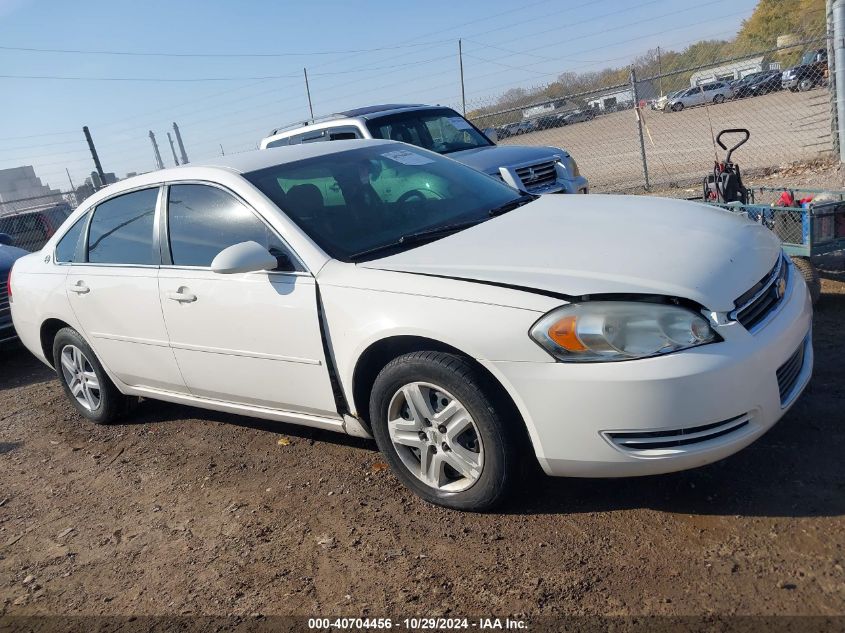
{"x": 785, "y": 127}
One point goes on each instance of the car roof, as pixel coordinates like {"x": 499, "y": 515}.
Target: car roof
{"x": 381, "y": 109}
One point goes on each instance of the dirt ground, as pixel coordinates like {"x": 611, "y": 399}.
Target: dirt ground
{"x": 180, "y": 511}
{"x": 785, "y": 127}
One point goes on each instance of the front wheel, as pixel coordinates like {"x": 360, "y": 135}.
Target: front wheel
{"x": 84, "y": 381}
{"x": 718, "y": 98}
{"x": 677, "y": 107}
{"x": 810, "y": 274}
{"x": 441, "y": 432}
{"x": 805, "y": 84}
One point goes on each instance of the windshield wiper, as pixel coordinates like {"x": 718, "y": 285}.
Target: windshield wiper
{"x": 512, "y": 204}
{"x": 416, "y": 238}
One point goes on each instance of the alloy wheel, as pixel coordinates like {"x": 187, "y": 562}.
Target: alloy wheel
{"x": 80, "y": 377}
{"x": 435, "y": 437}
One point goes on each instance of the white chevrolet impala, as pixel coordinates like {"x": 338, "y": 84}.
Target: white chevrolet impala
{"x": 375, "y": 288}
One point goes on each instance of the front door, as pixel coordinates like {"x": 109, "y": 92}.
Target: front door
{"x": 113, "y": 291}
{"x": 251, "y": 338}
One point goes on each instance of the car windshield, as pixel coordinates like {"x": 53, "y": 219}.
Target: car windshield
{"x": 371, "y": 201}
{"x": 440, "y": 130}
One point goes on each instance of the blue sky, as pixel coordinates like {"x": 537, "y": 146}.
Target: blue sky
{"x": 507, "y": 44}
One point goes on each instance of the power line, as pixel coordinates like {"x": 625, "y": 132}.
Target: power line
{"x": 73, "y": 51}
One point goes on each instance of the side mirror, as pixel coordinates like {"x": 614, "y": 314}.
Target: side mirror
{"x": 246, "y": 257}
{"x": 6, "y": 240}
{"x": 491, "y": 133}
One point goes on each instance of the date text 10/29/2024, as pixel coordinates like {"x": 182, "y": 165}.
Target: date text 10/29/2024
{"x": 417, "y": 624}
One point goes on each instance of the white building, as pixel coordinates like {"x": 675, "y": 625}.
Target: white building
{"x": 20, "y": 188}
{"x": 734, "y": 70}
{"x": 611, "y": 101}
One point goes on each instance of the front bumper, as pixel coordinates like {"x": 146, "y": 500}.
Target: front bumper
{"x": 581, "y": 416}
{"x": 789, "y": 83}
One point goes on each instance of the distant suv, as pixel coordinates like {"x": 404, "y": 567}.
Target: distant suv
{"x": 535, "y": 169}
{"x": 808, "y": 74}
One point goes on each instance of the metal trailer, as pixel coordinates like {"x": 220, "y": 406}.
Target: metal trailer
{"x": 806, "y": 232}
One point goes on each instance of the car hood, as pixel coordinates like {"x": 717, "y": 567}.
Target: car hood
{"x": 8, "y": 255}
{"x": 489, "y": 159}
{"x": 597, "y": 244}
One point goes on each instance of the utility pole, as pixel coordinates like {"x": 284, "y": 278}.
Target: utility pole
{"x": 94, "y": 154}
{"x": 178, "y": 134}
{"x": 659, "y": 72}
{"x": 172, "y": 149}
{"x": 69, "y": 179}
{"x": 461, "y": 64}
{"x": 159, "y": 164}
{"x": 308, "y": 92}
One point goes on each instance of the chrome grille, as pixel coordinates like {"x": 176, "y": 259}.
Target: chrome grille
{"x": 537, "y": 176}
{"x": 5, "y": 311}
{"x": 788, "y": 374}
{"x": 641, "y": 441}
{"x": 759, "y": 301}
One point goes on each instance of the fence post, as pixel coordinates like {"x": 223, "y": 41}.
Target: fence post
{"x": 640, "y": 126}
{"x": 838, "y": 12}
{"x": 831, "y": 76}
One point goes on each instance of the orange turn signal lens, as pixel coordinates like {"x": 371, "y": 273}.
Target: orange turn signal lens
{"x": 563, "y": 333}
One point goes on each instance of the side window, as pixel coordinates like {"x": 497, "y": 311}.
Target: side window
{"x": 122, "y": 230}
{"x": 203, "y": 220}
{"x": 343, "y": 133}
{"x": 67, "y": 246}
{"x": 311, "y": 136}
{"x": 279, "y": 142}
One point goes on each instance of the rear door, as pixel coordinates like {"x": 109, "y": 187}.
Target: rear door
{"x": 113, "y": 291}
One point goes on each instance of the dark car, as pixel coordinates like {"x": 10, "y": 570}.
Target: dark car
{"x": 8, "y": 255}
{"x": 811, "y": 72}
{"x": 757, "y": 84}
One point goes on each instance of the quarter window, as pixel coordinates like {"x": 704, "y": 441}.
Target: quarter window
{"x": 67, "y": 246}
{"x": 204, "y": 220}
{"x": 122, "y": 230}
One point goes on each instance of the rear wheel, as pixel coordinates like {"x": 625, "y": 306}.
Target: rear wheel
{"x": 718, "y": 98}
{"x": 84, "y": 381}
{"x": 441, "y": 432}
{"x": 811, "y": 276}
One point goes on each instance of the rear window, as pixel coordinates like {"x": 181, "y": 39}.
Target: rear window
{"x": 66, "y": 249}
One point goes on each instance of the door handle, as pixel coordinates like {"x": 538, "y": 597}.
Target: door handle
{"x": 80, "y": 288}
{"x": 182, "y": 296}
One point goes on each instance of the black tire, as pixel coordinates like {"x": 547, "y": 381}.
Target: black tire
{"x": 806, "y": 84}
{"x": 793, "y": 89}
{"x": 811, "y": 276}
{"x": 677, "y": 107}
{"x": 112, "y": 404}
{"x": 499, "y": 437}
{"x": 718, "y": 99}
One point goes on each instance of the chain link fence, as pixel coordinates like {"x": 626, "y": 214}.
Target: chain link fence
{"x": 653, "y": 125}
{"x": 29, "y": 222}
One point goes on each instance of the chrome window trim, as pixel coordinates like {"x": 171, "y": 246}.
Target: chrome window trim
{"x": 297, "y": 260}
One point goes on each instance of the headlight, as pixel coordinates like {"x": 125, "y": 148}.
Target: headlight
{"x": 597, "y": 331}
{"x": 570, "y": 164}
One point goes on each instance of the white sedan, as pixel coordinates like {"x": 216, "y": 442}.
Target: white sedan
{"x": 375, "y": 288}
